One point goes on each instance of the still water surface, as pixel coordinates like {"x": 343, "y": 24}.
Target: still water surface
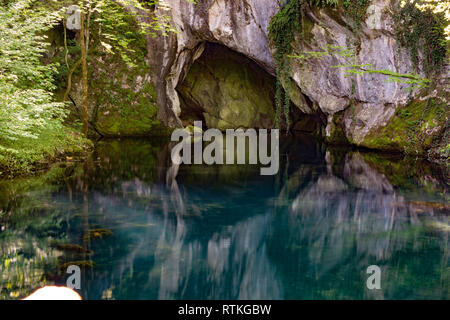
{"x": 141, "y": 228}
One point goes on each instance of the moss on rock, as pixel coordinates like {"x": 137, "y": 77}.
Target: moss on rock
{"x": 407, "y": 173}
{"x": 122, "y": 97}
{"x": 228, "y": 91}
{"x": 336, "y": 134}
{"x": 413, "y": 129}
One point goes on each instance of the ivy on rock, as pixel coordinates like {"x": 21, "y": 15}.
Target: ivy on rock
{"x": 422, "y": 32}
{"x": 282, "y": 30}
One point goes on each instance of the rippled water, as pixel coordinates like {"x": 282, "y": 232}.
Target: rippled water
{"x": 141, "y": 228}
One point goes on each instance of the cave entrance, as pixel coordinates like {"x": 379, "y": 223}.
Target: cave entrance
{"x": 226, "y": 90}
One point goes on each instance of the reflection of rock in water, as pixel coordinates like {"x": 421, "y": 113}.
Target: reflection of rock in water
{"x": 226, "y": 232}
{"x": 340, "y": 225}
{"x": 364, "y": 198}
{"x": 231, "y": 264}
{"x": 336, "y": 224}
{"x": 234, "y": 260}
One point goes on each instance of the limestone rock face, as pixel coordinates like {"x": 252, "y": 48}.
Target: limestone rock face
{"x": 238, "y": 25}
{"x": 228, "y": 91}
{"x": 120, "y": 103}
{"x": 121, "y": 98}
{"x": 374, "y": 98}
{"x": 364, "y": 103}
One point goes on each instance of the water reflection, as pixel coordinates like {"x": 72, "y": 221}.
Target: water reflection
{"x": 142, "y": 228}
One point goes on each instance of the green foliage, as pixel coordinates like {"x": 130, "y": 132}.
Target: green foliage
{"x": 356, "y": 11}
{"x": 32, "y": 126}
{"x": 27, "y": 111}
{"x": 323, "y": 3}
{"x": 422, "y": 32}
{"x": 413, "y": 129}
{"x": 352, "y": 67}
{"x": 415, "y": 81}
{"x": 282, "y": 30}
{"x": 25, "y": 84}
{"x": 109, "y": 16}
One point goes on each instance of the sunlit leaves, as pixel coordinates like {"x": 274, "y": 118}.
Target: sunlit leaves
{"x": 436, "y": 6}
{"x": 26, "y": 102}
{"x": 113, "y": 15}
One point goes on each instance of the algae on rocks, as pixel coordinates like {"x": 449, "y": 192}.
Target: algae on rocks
{"x": 122, "y": 98}
{"x": 228, "y": 91}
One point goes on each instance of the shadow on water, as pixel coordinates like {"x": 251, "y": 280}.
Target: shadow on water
{"x": 142, "y": 228}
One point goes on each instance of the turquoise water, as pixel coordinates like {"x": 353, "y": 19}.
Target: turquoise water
{"x": 141, "y": 228}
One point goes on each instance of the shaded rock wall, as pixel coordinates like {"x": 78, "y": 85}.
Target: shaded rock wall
{"x": 228, "y": 91}
{"x": 363, "y": 109}
{"x": 122, "y": 98}
{"x": 238, "y": 25}
{"x": 364, "y": 103}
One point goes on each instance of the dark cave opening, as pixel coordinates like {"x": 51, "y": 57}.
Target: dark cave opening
{"x": 226, "y": 90}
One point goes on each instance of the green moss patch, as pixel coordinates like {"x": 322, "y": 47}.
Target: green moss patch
{"x": 412, "y": 129}
{"x": 122, "y": 97}
{"x": 337, "y": 134}
{"x": 27, "y": 154}
{"x": 228, "y": 91}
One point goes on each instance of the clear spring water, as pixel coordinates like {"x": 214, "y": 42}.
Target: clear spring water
{"x": 143, "y": 229}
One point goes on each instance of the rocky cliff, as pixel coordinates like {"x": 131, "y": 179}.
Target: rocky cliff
{"x": 178, "y": 80}
{"x": 361, "y": 109}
